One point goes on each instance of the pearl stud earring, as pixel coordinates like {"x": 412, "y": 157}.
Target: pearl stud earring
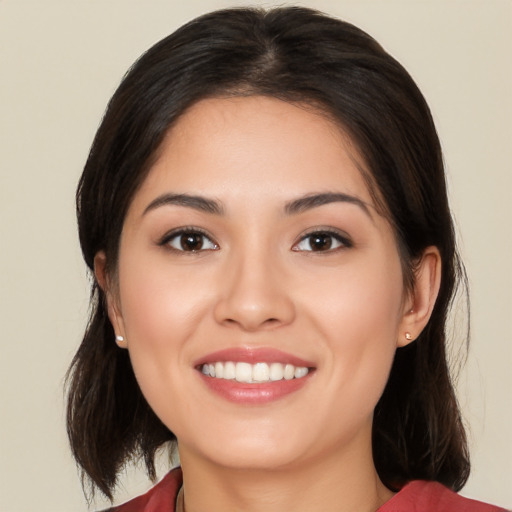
{"x": 408, "y": 336}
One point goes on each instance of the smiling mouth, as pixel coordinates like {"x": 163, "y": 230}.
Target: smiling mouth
{"x": 257, "y": 373}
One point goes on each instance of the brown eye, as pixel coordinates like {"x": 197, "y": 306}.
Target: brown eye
{"x": 190, "y": 241}
{"x": 322, "y": 241}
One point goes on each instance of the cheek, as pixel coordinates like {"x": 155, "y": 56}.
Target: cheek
{"x": 359, "y": 317}
{"x": 161, "y": 311}
{"x": 159, "y": 304}
{"x": 359, "y": 302}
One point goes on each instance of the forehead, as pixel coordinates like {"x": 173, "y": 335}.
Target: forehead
{"x": 253, "y": 147}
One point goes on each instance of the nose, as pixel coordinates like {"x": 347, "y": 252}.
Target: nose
{"x": 254, "y": 295}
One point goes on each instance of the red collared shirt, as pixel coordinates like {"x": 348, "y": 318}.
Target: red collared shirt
{"x": 417, "y": 496}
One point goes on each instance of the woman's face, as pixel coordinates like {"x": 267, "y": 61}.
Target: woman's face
{"x": 253, "y": 249}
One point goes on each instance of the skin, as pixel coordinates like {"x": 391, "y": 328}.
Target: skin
{"x": 256, "y": 283}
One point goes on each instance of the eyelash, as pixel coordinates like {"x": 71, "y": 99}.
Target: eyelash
{"x": 342, "y": 239}
{"x": 190, "y": 231}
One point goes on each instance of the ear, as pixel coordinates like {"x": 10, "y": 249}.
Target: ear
{"x": 114, "y": 311}
{"x": 420, "y": 302}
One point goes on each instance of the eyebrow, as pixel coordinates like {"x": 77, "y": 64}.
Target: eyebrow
{"x": 315, "y": 200}
{"x": 199, "y": 203}
{"x": 294, "y": 207}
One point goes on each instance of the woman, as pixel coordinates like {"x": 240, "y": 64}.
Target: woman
{"x": 265, "y": 214}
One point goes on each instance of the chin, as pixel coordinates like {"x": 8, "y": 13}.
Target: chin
{"x": 256, "y": 459}
{"x": 255, "y": 449}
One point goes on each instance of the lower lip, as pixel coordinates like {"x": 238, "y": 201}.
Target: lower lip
{"x": 254, "y": 394}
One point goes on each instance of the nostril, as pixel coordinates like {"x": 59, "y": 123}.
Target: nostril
{"x": 250, "y": 307}
{"x": 253, "y": 325}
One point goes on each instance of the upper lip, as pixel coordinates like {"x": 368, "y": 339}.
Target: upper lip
{"x": 253, "y": 355}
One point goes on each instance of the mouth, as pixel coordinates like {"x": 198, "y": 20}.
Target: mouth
{"x": 254, "y": 376}
{"x": 260, "y": 372}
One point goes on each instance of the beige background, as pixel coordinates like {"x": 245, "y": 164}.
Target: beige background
{"x": 59, "y": 63}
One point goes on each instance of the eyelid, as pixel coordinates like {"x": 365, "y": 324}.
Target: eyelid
{"x": 337, "y": 234}
{"x": 173, "y": 233}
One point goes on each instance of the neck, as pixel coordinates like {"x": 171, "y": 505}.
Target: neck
{"x": 351, "y": 483}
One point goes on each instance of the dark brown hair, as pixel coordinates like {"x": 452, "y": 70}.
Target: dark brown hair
{"x": 297, "y": 55}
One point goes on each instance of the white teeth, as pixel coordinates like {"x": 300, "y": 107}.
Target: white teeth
{"x": 276, "y": 371}
{"x": 252, "y": 373}
{"x": 289, "y": 372}
{"x": 219, "y": 370}
{"x": 243, "y": 372}
{"x": 229, "y": 370}
{"x": 300, "y": 372}
{"x": 260, "y": 372}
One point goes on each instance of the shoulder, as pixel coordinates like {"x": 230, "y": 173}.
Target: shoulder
{"x": 422, "y": 496}
{"x": 160, "y": 498}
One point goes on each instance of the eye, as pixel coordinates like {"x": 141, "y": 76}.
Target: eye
{"x": 189, "y": 240}
{"x": 322, "y": 241}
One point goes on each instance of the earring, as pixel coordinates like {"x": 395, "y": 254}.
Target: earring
{"x": 408, "y": 336}
{"x": 119, "y": 339}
